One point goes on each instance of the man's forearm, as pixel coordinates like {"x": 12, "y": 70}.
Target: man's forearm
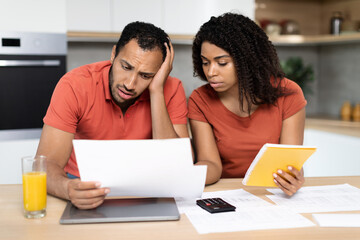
{"x": 162, "y": 126}
{"x": 57, "y": 181}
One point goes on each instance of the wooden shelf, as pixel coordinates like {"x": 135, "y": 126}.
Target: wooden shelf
{"x": 314, "y": 40}
{"x": 313, "y": 18}
{"x": 281, "y": 40}
{"x": 114, "y": 37}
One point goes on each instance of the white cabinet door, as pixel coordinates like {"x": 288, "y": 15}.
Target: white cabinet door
{"x": 125, "y": 11}
{"x": 175, "y": 17}
{"x": 33, "y": 16}
{"x": 89, "y": 15}
{"x": 186, "y": 16}
{"x": 11, "y": 153}
{"x": 337, "y": 154}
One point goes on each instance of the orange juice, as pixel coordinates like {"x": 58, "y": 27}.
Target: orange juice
{"x": 34, "y": 190}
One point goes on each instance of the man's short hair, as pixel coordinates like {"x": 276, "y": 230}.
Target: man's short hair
{"x": 147, "y": 35}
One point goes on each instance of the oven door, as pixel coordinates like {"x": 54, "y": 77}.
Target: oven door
{"x": 26, "y": 86}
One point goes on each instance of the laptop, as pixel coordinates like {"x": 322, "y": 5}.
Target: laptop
{"x": 123, "y": 210}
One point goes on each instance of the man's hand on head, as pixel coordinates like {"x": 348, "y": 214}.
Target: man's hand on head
{"x": 158, "y": 82}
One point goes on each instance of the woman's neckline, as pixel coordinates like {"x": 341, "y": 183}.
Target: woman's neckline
{"x": 222, "y": 105}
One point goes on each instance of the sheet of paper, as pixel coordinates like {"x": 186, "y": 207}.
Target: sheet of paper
{"x": 245, "y": 219}
{"x": 330, "y": 198}
{"x": 146, "y": 168}
{"x": 238, "y": 197}
{"x": 252, "y": 213}
{"x": 337, "y": 220}
{"x": 327, "y": 189}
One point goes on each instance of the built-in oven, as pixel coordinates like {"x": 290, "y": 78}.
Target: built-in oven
{"x": 31, "y": 64}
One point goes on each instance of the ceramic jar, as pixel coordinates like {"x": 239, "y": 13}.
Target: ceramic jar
{"x": 346, "y": 111}
{"x": 356, "y": 113}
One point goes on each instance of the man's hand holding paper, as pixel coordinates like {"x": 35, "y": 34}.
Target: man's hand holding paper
{"x": 86, "y": 195}
{"x": 155, "y": 171}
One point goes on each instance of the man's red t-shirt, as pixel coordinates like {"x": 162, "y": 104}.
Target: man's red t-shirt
{"x": 82, "y": 104}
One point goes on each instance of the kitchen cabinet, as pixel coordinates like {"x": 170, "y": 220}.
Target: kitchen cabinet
{"x": 11, "y": 153}
{"x": 313, "y": 17}
{"x": 186, "y": 16}
{"x": 338, "y": 143}
{"x": 89, "y": 15}
{"x": 33, "y": 16}
{"x": 124, "y": 12}
{"x": 110, "y": 16}
{"x": 337, "y": 154}
{"x": 180, "y": 19}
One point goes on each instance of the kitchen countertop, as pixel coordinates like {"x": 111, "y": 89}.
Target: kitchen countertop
{"x": 333, "y": 125}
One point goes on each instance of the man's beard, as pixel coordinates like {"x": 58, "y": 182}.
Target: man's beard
{"x": 124, "y": 104}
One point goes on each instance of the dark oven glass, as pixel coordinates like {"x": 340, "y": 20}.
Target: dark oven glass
{"x": 26, "y": 86}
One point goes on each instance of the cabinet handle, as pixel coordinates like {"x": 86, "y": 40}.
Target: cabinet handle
{"x": 29, "y": 63}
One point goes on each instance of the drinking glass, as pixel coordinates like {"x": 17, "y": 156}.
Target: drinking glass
{"x": 34, "y": 186}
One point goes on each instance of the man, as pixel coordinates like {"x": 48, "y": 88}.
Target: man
{"x": 129, "y": 97}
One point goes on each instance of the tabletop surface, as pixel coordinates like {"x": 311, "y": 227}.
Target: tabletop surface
{"x": 14, "y": 226}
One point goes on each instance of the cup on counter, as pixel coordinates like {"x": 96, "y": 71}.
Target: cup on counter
{"x": 34, "y": 186}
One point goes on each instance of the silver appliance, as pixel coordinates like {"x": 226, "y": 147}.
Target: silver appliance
{"x": 31, "y": 64}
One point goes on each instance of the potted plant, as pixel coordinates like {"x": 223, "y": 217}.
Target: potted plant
{"x": 295, "y": 70}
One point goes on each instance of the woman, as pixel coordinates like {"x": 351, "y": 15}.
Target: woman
{"x": 246, "y": 103}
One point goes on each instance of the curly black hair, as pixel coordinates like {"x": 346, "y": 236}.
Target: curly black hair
{"x": 147, "y": 35}
{"x": 254, "y": 57}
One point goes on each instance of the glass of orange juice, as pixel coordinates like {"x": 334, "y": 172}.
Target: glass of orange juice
{"x": 34, "y": 186}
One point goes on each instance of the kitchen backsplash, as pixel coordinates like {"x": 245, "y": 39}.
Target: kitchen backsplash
{"x": 336, "y": 70}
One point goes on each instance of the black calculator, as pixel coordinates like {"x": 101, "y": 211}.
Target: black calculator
{"x": 215, "y": 205}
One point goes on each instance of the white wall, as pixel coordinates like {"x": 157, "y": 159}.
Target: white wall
{"x": 337, "y": 155}
{"x": 33, "y": 16}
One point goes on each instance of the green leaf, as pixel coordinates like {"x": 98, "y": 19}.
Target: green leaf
{"x": 295, "y": 70}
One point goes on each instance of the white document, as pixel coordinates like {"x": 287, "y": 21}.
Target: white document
{"x": 337, "y": 220}
{"x": 145, "y": 168}
{"x": 331, "y": 198}
{"x": 238, "y": 198}
{"x": 245, "y": 219}
{"x": 252, "y": 213}
{"x": 320, "y": 190}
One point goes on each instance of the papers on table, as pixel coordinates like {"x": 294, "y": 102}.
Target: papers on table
{"x": 251, "y": 213}
{"x": 343, "y": 197}
{"x": 245, "y": 219}
{"x": 239, "y": 198}
{"x": 337, "y": 220}
{"x": 338, "y": 189}
{"x": 146, "y": 168}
